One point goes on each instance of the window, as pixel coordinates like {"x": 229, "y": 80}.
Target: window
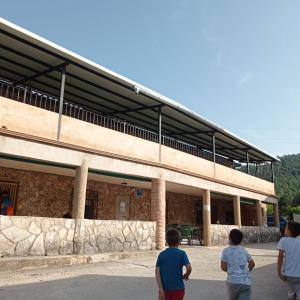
{"x": 12, "y": 189}
{"x": 91, "y": 204}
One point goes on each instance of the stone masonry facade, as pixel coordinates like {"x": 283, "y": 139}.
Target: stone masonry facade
{"x": 252, "y": 234}
{"x": 49, "y": 195}
{"x": 182, "y": 209}
{"x": 25, "y": 236}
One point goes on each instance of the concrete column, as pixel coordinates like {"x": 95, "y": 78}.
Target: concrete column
{"x": 259, "y": 221}
{"x": 276, "y": 215}
{"x": 158, "y": 211}
{"x": 80, "y": 190}
{"x": 237, "y": 210}
{"x": 206, "y": 218}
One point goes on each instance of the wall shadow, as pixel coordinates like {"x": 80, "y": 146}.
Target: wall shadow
{"x": 100, "y": 287}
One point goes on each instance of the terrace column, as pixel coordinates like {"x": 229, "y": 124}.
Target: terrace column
{"x": 158, "y": 210}
{"x": 80, "y": 190}
{"x": 258, "y": 213}
{"x": 206, "y": 218}
{"x": 237, "y": 210}
{"x": 61, "y": 101}
{"x": 276, "y": 215}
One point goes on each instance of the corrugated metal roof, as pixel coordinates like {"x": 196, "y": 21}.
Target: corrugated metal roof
{"x": 23, "y": 54}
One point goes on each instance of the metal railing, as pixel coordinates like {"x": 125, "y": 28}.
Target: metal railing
{"x": 73, "y": 110}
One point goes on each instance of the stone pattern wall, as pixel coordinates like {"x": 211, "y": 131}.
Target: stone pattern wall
{"x": 49, "y": 195}
{"x": 140, "y": 208}
{"x": 252, "y": 234}
{"x": 222, "y": 211}
{"x": 182, "y": 209}
{"x": 248, "y": 214}
{"x": 25, "y": 236}
{"x": 40, "y": 194}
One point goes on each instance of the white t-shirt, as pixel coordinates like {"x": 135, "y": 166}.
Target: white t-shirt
{"x": 237, "y": 259}
{"x": 291, "y": 264}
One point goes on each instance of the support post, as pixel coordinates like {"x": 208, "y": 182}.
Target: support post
{"x": 247, "y": 159}
{"x": 214, "y": 147}
{"x": 206, "y": 218}
{"x": 237, "y": 210}
{"x": 79, "y": 194}
{"x": 258, "y": 213}
{"x": 276, "y": 215}
{"x": 272, "y": 172}
{"x": 61, "y": 101}
{"x": 159, "y": 131}
{"x": 158, "y": 211}
{"x": 25, "y": 94}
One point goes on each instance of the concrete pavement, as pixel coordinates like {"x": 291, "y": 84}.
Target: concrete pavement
{"x": 133, "y": 279}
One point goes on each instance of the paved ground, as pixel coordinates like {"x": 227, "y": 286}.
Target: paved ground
{"x": 134, "y": 280}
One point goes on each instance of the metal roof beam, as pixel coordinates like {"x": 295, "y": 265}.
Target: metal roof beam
{"x": 190, "y": 132}
{"x": 36, "y": 75}
{"x": 70, "y": 93}
{"x": 129, "y": 110}
{"x": 233, "y": 148}
{"x": 210, "y": 125}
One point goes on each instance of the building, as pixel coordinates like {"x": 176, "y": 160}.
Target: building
{"x": 76, "y": 138}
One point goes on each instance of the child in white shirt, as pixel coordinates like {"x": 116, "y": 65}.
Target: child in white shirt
{"x": 238, "y": 264}
{"x": 288, "y": 263}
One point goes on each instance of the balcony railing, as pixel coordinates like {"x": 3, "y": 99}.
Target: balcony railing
{"x": 73, "y": 110}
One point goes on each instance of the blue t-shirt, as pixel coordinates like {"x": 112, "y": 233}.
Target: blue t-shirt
{"x": 171, "y": 262}
{"x": 237, "y": 259}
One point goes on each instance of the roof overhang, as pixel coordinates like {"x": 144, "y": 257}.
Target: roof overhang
{"x": 26, "y": 58}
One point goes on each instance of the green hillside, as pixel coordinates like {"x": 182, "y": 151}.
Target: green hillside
{"x": 287, "y": 181}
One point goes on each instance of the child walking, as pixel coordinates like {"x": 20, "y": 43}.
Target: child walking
{"x": 238, "y": 264}
{"x": 288, "y": 263}
{"x": 169, "y": 267}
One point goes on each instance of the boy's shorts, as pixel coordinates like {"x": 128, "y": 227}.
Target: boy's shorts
{"x": 174, "y": 294}
{"x": 239, "y": 291}
{"x": 293, "y": 284}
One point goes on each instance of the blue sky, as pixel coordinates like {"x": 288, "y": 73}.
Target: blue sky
{"x": 234, "y": 62}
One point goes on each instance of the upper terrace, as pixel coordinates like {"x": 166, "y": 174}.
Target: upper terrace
{"x": 37, "y": 72}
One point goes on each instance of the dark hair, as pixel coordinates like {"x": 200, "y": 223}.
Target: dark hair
{"x": 294, "y": 228}
{"x": 173, "y": 237}
{"x": 236, "y": 236}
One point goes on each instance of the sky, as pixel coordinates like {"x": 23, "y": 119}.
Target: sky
{"x": 235, "y": 62}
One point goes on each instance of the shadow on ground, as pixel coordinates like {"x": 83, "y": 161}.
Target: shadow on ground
{"x": 99, "y": 287}
{"x": 262, "y": 246}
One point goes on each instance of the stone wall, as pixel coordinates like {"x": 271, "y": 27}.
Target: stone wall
{"x": 182, "y": 209}
{"x": 252, "y": 234}
{"x": 222, "y": 211}
{"x": 49, "y": 195}
{"x": 25, "y": 236}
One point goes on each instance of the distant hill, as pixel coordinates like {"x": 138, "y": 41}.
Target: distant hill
{"x": 287, "y": 180}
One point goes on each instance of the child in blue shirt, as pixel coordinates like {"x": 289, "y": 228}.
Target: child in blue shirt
{"x": 169, "y": 266}
{"x": 238, "y": 264}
